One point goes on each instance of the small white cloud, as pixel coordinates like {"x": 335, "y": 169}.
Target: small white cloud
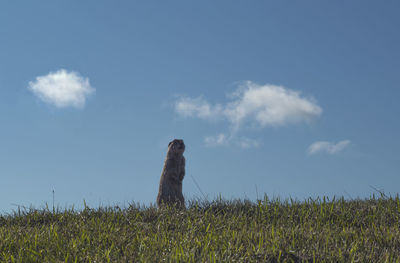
{"x": 197, "y": 107}
{"x": 62, "y": 89}
{"x": 224, "y": 140}
{"x": 247, "y": 143}
{"x": 327, "y": 147}
{"x": 218, "y": 140}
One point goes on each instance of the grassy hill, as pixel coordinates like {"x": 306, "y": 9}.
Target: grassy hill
{"x": 218, "y": 231}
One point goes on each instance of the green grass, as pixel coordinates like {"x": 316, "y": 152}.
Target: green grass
{"x": 219, "y": 231}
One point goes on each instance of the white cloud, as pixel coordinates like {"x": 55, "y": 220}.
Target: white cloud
{"x": 218, "y": 140}
{"x": 327, "y": 147}
{"x": 270, "y": 105}
{"x": 253, "y": 104}
{"x": 224, "y": 140}
{"x": 265, "y": 105}
{"x": 246, "y": 143}
{"x": 62, "y": 89}
{"x": 197, "y": 107}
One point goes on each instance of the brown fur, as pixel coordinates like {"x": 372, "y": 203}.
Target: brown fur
{"x": 170, "y": 190}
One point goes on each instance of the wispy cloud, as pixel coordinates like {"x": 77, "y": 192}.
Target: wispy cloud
{"x": 246, "y": 143}
{"x": 197, "y": 107}
{"x": 226, "y": 140}
{"x": 62, "y": 89}
{"x": 328, "y": 147}
{"x": 218, "y": 140}
{"x": 257, "y": 105}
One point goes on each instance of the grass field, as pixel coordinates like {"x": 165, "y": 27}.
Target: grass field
{"x": 319, "y": 230}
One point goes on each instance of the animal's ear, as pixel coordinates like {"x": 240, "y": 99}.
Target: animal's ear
{"x": 169, "y": 143}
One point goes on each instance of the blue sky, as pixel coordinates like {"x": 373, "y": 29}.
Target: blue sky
{"x": 288, "y": 98}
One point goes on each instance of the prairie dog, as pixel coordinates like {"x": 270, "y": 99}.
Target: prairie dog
{"x": 170, "y": 189}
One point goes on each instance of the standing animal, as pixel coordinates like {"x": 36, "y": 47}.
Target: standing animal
{"x": 170, "y": 189}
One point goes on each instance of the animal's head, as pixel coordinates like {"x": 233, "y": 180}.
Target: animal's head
{"x": 176, "y": 146}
